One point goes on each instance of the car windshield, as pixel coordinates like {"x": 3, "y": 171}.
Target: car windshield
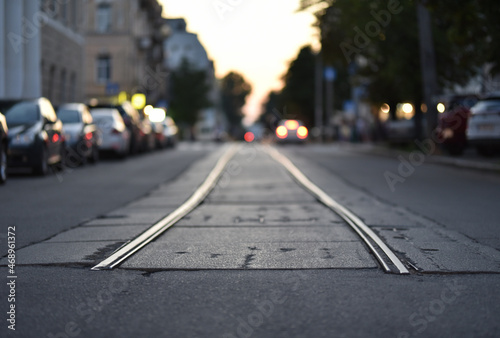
{"x": 22, "y": 113}
{"x": 69, "y": 116}
{"x": 487, "y": 106}
{"x": 103, "y": 121}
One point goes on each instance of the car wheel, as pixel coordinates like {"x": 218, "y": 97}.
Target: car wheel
{"x": 485, "y": 151}
{"x": 3, "y": 164}
{"x": 455, "y": 150}
{"x": 94, "y": 156}
{"x": 62, "y": 159}
{"x": 42, "y": 168}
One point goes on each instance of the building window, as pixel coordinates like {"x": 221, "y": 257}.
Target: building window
{"x": 103, "y": 69}
{"x": 103, "y": 18}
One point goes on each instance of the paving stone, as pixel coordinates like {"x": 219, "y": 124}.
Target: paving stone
{"x": 195, "y": 256}
{"x": 216, "y": 235}
{"x": 432, "y": 250}
{"x": 105, "y": 233}
{"x": 64, "y": 253}
{"x": 262, "y": 215}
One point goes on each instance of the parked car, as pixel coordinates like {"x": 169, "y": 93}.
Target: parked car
{"x": 115, "y": 136}
{"x": 291, "y": 131}
{"x": 403, "y": 131}
{"x": 35, "y": 136}
{"x": 133, "y": 122}
{"x": 3, "y": 149}
{"x": 81, "y": 134}
{"x": 147, "y": 136}
{"x": 483, "y": 129}
{"x": 161, "y": 140}
{"x": 452, "y": 124}
{"x": 171, "y": 131}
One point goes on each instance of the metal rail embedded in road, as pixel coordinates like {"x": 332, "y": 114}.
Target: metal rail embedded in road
{"x": 161, "y": 226}
{"x": 376, "y": 245}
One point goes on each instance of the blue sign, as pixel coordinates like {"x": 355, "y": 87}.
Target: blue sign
{"x": 112, "y": 88}
{"x": 330, "y": 73}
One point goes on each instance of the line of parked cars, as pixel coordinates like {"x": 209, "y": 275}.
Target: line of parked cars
{"x": 468, "y": 120}
{"x": 35, "y": 135}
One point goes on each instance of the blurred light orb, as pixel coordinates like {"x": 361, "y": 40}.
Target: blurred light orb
{"x": 157, "y": 115}
{"x": 407, "y": 108}
{"x": 385, "y": 108}
{"x": 249, "y": 136}
{"x": 441, "y": 108}
{"x": 148, "y": 109}
{"x": 138, "y": 101}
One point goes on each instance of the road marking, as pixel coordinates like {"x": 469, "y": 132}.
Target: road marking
{"x": 366, "y": 234}
{"x": 128, "y": 249}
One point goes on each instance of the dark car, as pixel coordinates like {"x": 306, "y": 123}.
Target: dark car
{"x": 133, "y": 122}
{"x": 35, "y": 136}
{"x": 452, "y": 124}
{"x": 291, "y": 131}
{"x": 80, "y": 133}
{"x": 3, "y": 149}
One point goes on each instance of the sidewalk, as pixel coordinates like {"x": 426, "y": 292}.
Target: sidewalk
{"x": 469, "y": 160}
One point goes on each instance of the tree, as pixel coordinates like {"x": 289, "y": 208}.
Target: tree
{"x": 463, "y": 32}
{"x": 234, "y": 91}
{"x": 298, "y": 91}
{"x": 383, "y": 42}
{"x": 190, "y": 91}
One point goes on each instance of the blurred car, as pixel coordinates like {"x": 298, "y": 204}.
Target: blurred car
{"x": 3, "y": 148}
{"x": 159, "y": 135}
{"x": 147, "y": 136}
{"x": 81, "y": 134}
{"x": 170, "y": 130}
{"x": 133, "y": 122}
{"x": 403, "y": 130}
{"x": 292, "y": 131}
{"x": 115, "y": 136}
{"x": 483, "y": 129}
{"x": 452, "y": 124}
{"x": 35, "y": 136}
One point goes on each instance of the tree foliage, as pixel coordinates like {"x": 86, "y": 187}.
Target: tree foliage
{"x": 234, "y": 91}
{"x": 297, "y": 96}
{"x": 384, "y": 42}
{"x": 190, "y": 90}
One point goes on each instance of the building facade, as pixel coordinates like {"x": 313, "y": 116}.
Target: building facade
{"x": 123, "y": 52}
{"x": 183, "y": 45}
{"x": 41, "y": 50}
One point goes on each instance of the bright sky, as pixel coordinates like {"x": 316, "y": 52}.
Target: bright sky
{"x": 257, "y": 38}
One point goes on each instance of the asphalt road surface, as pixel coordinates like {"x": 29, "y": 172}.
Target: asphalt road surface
{"x": 260, "y": 255}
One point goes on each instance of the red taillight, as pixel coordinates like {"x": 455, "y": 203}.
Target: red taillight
{"x": 88, "y": 136}
{"x": 281, "y": 132}
{"x": 249, "y": 137}
{"x": 55, "y": 138}
{"x": 291, "y": 124}
{"x": 302, "y": 132}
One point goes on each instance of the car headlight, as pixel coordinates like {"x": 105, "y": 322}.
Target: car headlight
{"x": 24, "y": 139}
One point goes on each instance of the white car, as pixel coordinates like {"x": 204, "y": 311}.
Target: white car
{"x": 483, "y": 129}
{"x": 114, "y": 133}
